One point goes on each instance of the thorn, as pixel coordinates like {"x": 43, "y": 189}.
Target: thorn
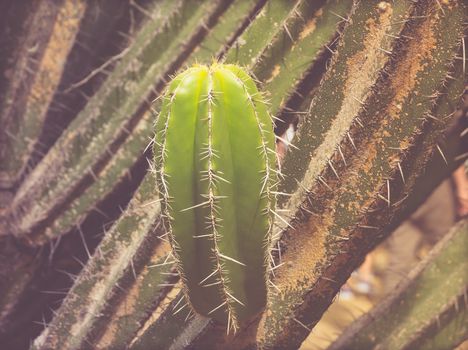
{"x": 386, "y": 51}
{"x": 400, "y": 201}
{"x": 302, "y": 324}
{"x": 151, "y": 203}
{"x": 281, "y": 218}
{"x": 351, "y": 140}
{"x": 163, "y": 263}
{"x": 230, "y": 259}
{"x": 358, "y": 120}
{"x": 84, "y": 242}
{"x": 148, "y": 146}
{"x": 464, "y": 55}
{"x": 274, "y": 286}
{"x": 281, "y": 193}
{"x": 79, "y": 261}
{"x": 235, "y": 299}
{"x": 339, "y": 16}
{"x": 276, "y": 266}
{"x": 212, "y": 284}
{"x": 383, "y": 198}
{"x": 220, "y": 178}
{"x": 329, "y": 49}
{"x": 133, "y": 269}
{"x": 442, "y": 154}
{"x": 388, "y": 192}
{"x": 328, "y": 279}
{"x": 440, "y": 6}
{"x": 342, "y": 155}
{"x": 323, "y": 182}
{"x": 461, "y": 156}
{"x": 401, "y": 173}
{"x": 369, "y": 227}
{"x": 287, "y": 31}
{"x": 180, "y": 309}
{"x": 332, "y": 167}
{"x": 190, "y": 314}
{"x": 202, "y": 236}
{"x": 217, "y": 307}
{"x": 286, "y": 142}
{"x": 166, "y": 284}
{"x": 361, "y": 102}
{"x": 196, "y": 206}
{"x": 207, "y": 277}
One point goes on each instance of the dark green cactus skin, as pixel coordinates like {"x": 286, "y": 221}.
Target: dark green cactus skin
{"x": 215, "y": 165}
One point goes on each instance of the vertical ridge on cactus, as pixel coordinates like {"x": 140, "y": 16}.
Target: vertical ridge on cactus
{"x": 214, "y": 155}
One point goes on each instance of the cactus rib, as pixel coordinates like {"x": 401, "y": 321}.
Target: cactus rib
{"x": 53, "y": 41}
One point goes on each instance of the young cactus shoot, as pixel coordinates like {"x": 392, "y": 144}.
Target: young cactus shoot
{"x": 216, "y": 172}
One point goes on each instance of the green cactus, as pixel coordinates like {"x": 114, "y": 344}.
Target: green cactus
{"x": 369, "y": 86}
{"x": 215, "y": 165}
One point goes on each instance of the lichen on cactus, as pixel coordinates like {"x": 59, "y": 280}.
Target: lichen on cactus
{"x": 215, "y": 166}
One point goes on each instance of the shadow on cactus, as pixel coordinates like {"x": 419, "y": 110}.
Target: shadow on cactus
{"x": 215, "y": 165}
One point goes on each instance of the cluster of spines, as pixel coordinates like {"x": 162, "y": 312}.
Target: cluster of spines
{"x": 212, "y": 177}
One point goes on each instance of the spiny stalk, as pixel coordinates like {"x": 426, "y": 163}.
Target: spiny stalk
{"x": 216, "y": 176}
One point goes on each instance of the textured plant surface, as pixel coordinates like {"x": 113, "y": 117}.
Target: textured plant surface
{"x": 435, "y": 292}
{"x": 215, "y": 165}
{"x": 371, "y": 87}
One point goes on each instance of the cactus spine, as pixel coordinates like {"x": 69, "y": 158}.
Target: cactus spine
{"x": 215, "y": 160}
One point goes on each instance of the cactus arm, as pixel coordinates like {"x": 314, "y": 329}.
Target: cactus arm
{"x": 216, "y": 189}
{"x": 422, "y": 307}
{"x": 15, "y": 20}
{"x": 120, "y": 321}
{"x": 112, "y": 175}
{"x": 90, "y": 135}
{"x": 361, "y": 78}
{"x": 447, "y": 154}
{"x": 297, "y": 35}
{"x": 353, "y": 218}
{"x": 90, "y": 290}
{"x": 313, "y": 32}
{"x": 454, "y": 332}
{"x": 249, "y": 46}
{"x": 50, "y": 41}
